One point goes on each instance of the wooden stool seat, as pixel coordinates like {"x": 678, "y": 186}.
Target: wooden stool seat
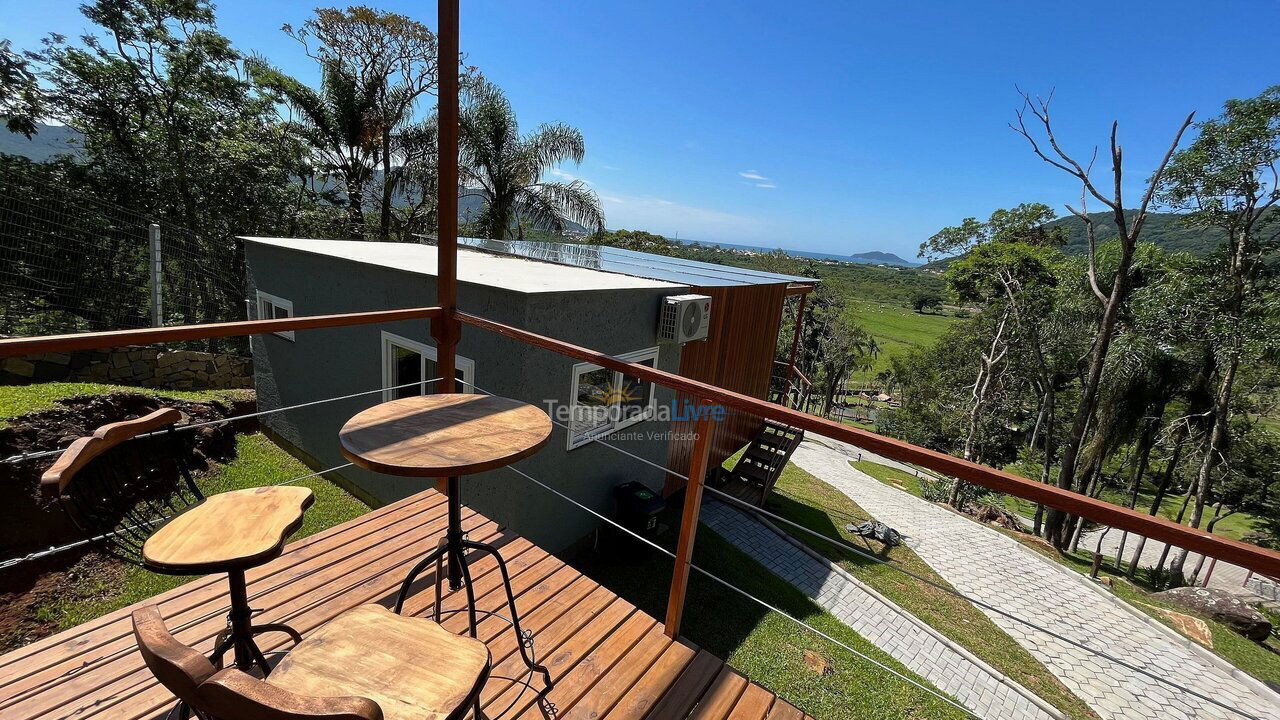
{"x": 411, "y": 667}
{"x": 228, "y": 531}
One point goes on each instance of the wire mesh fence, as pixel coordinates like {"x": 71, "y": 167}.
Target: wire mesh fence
{"x": 70, "y": 262}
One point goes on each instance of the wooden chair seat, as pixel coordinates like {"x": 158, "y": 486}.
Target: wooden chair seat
{"x": 228, "y": 531}
{"x": 411, "y": 667}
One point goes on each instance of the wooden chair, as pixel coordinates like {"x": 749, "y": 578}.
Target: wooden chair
{"x": 134, "y": 497}
{"x": 367, "y": 664}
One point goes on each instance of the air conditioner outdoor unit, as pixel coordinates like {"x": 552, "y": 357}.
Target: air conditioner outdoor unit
{"x": 684, "y": 318}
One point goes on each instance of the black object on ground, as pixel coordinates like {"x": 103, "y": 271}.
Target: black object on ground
{"x": 877, "y": 531}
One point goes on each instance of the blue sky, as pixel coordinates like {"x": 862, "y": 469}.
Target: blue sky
{"x": 839, "y": 127}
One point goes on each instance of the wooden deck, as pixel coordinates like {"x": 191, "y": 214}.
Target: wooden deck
{"x": 607, "y": 658}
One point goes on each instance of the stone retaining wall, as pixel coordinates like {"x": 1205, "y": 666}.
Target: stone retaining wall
{"x": 137, "y": 365}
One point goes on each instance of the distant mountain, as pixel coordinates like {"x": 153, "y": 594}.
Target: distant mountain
{"x": 867, "y": 258}
{"x": 875, "y": 257}
{"x": 49, "y": 141}
{"x": 1166, "y": 230}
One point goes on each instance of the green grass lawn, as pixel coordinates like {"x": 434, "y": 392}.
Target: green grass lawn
{"x": 896, "y": 329}
{"x": 808, "y": 501}
{"x": 763, "y": 645}
{"x": 102, "y": 587}
{"x": 1232, "y": 526}
{"x": 1261, "y": 662}
{"x": 18, "y": 400}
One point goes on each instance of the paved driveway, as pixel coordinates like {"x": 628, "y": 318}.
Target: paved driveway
{"x": 996, "y": 570}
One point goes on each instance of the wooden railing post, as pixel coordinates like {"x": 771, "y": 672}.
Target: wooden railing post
{"x": 689, "y": 519}
{"x": 446, "y": 330}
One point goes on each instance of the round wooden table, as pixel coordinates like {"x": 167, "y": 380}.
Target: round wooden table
{"x": 449, "y": 435}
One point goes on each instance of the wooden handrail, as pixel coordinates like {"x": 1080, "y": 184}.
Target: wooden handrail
{"x": 179, "y": 333}
{"x": 1249, "y": 556}
{"x": 1157, "y": 528}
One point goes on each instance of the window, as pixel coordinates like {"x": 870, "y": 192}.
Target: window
{"x": 408, "y": 362}
{"x": 605, "y": 401}
{"x": 271, "y": 307}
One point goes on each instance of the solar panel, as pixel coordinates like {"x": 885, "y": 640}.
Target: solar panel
{"x": 631, "y": 262}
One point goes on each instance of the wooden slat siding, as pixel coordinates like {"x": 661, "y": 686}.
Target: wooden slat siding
{"x": 720, "y": 698}
{"x": 110, "y": 635}
{"x": 688, "y": 689}
{"x": 182, "y": 333}
{"x": 754, "y": 704}
{"x": 655, "y": 683}
{"x": 737, "y": 355}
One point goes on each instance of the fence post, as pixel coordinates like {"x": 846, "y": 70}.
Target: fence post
{"x": 157, "y": 282}
{"x": 689, "y": 520}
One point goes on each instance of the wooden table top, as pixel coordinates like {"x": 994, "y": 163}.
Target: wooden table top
{"x": 444, "y": 435}
{"x": 228, "y": 531}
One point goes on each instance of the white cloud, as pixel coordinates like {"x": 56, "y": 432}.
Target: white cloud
{"x": 567, "y": 177}
{"x": 765, "y": 185}
{"x": 667, "y": 217}
{"x": 609, "y": 167}
{"x": 752, "y": 175}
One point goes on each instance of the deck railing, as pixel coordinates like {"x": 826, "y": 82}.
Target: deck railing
{"x": 1253, "y": 558}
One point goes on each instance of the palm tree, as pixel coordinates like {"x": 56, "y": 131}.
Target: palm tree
{"x": 506, "y": 170}
{"x": 341, "y": 122}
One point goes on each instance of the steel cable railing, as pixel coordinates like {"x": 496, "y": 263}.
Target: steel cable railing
{"x": 40, "y": 554}
{"x": 880, "y": 561}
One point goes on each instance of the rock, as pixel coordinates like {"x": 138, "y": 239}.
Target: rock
{"x": 19, "y": 367}
{"x": 1192, "y": 627}
{"x": 1222, "y": 606}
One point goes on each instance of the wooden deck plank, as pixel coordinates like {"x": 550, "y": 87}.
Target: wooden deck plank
{"x": 642, "y": 696}
{"x": 608, "y": 659}
{"x": 686, "y": 692}
{"x": 754, "y": 704}
{"x": 783, "y": 710}
{"x": 611, "y": 687}
{"x": 720, "y": 698}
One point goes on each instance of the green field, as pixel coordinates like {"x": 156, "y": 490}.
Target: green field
{"x": 896, "y": 329}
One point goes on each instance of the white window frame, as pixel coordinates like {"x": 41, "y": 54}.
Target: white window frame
{"x": 426, "y": 352}
{"x": 267, "y": 299}
{"x": 578, "y": 441}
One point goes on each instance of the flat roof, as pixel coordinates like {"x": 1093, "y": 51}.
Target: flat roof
{"x": 518, "y": 274}
{"x": 634, "y": 263}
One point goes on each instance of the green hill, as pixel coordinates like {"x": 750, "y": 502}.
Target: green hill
{"x": 1165, "y": 230}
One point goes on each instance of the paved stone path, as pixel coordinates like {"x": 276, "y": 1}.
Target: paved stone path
{"x": 997, "y": 570}
{"x": 879, "y": 621}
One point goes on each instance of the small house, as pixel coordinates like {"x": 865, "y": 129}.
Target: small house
{"x": 603, "y": 298}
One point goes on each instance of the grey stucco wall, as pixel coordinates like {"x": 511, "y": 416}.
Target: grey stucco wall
{"x": 338, "y": 361}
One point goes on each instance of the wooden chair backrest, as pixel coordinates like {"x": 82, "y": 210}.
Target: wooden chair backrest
{"x": 177, "y": 667}
{"x": 231, "y": 694}
{"x": 83, "y": 450}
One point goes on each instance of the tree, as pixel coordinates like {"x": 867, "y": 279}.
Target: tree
{"x": 391, "y": 57}
{"x": 21, "y": 100}
{"x": 1227, "y": 179}
{"x": 340, "y": 124}
{"x": 507, "y": 169}
{"x": 176, "y": 131}
{"x": 923, "y": 300}
{"x": 1129, "y": 232}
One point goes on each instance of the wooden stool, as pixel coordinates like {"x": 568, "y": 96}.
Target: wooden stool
{"x": 448, "y": 435}
{"x": 118, "y": 488}
{"x": 366, "y": 664}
